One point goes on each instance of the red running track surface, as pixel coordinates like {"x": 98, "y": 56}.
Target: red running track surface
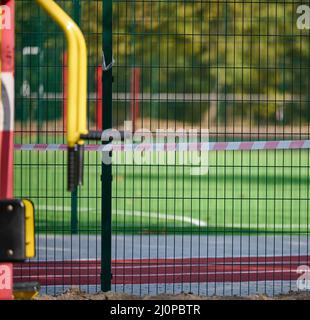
{"x": 155, "y": 271}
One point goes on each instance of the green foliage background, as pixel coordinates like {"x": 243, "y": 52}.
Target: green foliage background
{"x": 238, "y": 48}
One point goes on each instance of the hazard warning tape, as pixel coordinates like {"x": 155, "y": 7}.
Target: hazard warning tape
{"x": 192, "y": 146}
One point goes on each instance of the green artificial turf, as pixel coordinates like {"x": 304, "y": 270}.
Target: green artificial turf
{"x": 256, "y": 191}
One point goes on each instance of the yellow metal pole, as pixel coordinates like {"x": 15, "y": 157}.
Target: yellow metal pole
{"x": 82, "y": 85}
{"x": 77, "y": 72}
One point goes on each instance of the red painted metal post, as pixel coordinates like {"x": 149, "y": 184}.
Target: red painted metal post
{"x": 6, "y": 281}
{"x": 135, "y": 82}
{"x": 99, "y": 98}
{"x": 7, "y": 100}
{"x": 6, "y": 126}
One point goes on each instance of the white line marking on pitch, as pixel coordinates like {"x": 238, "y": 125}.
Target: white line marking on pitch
{"x": 186, "y": 219}
{"x": 162, "y": 216}
{"x": 268, "y": 226}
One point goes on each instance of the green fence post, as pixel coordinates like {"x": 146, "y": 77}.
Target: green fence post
{"x": 40, "y": 83}
{"x": 74, "y": 194}
{"x": 106, "y": 213}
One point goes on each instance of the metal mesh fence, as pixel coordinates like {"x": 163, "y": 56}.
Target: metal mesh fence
{"x": 234, "y": 73}
{"x": 67, "y": 225}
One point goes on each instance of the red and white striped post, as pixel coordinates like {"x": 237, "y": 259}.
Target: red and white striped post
{"x": 6, "y": 126}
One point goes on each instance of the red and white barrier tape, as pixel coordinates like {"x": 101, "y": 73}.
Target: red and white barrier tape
{"x": 156, "y": 147}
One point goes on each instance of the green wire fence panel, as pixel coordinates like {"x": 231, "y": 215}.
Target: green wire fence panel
{"x": 68, "y": 225}
{"x": 216, "y": 95}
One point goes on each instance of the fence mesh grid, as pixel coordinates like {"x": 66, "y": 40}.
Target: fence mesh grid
{"x": 238, "y": 69}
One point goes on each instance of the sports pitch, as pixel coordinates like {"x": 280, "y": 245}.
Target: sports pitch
{"x": 243, "y": 191}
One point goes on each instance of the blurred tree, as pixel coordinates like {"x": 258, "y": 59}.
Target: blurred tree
{"x": 248, "y": 51}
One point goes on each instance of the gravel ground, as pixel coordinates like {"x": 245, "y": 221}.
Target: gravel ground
{"x": 76, "y": 294}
